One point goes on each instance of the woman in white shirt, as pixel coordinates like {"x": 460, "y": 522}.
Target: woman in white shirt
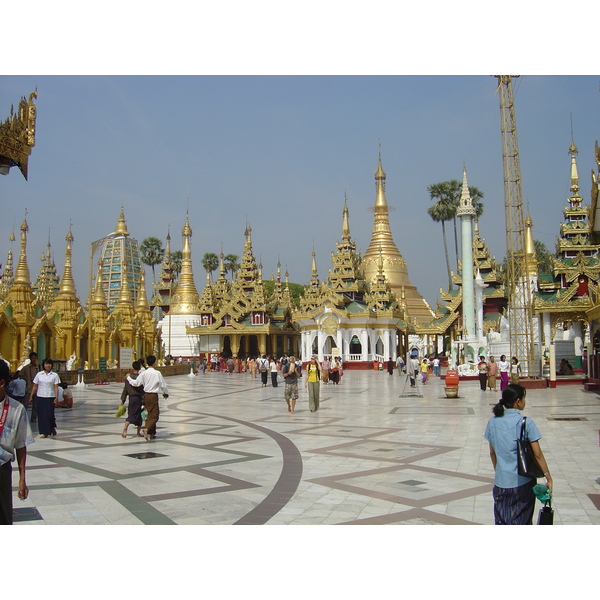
{"x": 45, "y": 389}
{"x": 273, "y": 370}
{"x": 503, "y": 369}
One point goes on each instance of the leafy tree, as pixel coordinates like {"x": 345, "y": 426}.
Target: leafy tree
{"x": 231, "y": 264}
{"x": 210, "y": 262}
{"x": 543, "y": 257}
{"x": 176, "y": 260}
{"x": 441, "y": 212}
{"x": 448, "y": 194}
{"x": 151, "y": 253}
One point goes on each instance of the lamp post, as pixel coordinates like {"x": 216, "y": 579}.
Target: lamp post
{"x": 17, "y": 136}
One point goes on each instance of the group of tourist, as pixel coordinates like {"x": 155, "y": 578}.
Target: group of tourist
{"x": 514, "y": 498}
{"x": 490, "y": 370}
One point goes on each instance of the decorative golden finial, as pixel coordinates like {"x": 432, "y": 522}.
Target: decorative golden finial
{"x": 142, "y": 299}
{"x": 121, "y": 226}
{"x": 99, "y": 295}
{"x": 67, "y": 284}
{"x": 22, "y": 271}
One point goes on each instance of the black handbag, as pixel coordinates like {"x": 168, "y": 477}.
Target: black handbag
{"x": 527, "y": 465}
{"x": 546, "y": 514}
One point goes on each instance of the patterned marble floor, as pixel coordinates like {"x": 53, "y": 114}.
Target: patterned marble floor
{"x": 228, "y": 452}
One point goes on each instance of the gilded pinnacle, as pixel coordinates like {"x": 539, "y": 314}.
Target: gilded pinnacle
{"x": 121, "y": 226}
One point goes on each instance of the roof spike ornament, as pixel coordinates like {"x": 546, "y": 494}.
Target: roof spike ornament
{"x": 22, "y": 275}
{"x": 67, "y": 284}
{"x": 121, "y": 226}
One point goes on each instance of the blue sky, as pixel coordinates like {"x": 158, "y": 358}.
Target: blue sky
{"x": 280, "y": 152}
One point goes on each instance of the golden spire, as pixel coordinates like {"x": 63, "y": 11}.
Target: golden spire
{"x": 99, "y": 295}
{"x": 345, "y": 221}
{"x": 142, "y": 300}
{"x": 382, "y": 243}
{"x": 186, "y": 299}
{"x": 314, "y": 265}
{"x": 67, "y": 284}
{"x": 121, "y": 226}
{"x": 125, "y": 293}
{"x": 574, "y": 175}
{"x": 22, "y": 272}
{"x": 380, "y": 200}
{"x": 530, "y": 257}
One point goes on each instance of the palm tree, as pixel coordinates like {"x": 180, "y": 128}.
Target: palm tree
{"x": 210, "y": 262}
{"x": 231, "y": 263}
{"x": 151, "y": 253}
{"x": 441, "y": 212}
{"x": 176, "y": 260}
{"x": 449, "y": 192}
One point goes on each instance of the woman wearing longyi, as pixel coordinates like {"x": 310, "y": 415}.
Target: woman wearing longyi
{"x": 514, "y": 500}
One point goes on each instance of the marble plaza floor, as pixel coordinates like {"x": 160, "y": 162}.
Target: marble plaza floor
{"x": 228, "y": 452}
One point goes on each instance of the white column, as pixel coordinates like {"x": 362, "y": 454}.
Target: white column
{"x": 578, "y": 342}
{"x": 364, "y": 342}
{"x": 547, "y": 328}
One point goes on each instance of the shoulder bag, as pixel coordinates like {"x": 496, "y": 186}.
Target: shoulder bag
{"x": 527, "y": 465}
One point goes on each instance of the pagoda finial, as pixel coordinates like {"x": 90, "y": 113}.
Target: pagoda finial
{"x": 186, "y": 299}
{"x": 345, "y": 221}
{"x": 142, "y": 299}
{"x": 465, "y": 206}
{"x": 22, "y": 271}
{"x": 574, "y": 174}
{"x": 99, "y": 295}
{"x": 121, "y": 226}
{"x": 380, "y": 199}
{"x": 67, "y": 284}
{"x": 530, "y": 256}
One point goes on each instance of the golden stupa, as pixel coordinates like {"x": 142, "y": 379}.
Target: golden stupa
{"x": 382, "y": 247}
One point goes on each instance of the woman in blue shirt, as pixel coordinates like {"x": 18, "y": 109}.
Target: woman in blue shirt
{"x": 514, "y": 500}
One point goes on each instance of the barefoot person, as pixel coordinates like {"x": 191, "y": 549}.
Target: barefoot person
{"x": 290, "y": 375}
{"x": 134, "y": 408}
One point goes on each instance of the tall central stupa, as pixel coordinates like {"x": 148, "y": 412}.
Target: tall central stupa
{"x": 382, "y": 246}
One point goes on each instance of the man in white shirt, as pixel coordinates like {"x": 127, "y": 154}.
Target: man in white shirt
{"x": 153, "y": 382}
{"x": 15, "y": 436}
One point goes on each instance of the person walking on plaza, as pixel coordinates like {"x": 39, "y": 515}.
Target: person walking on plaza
{"x": 413, "y": 370}
{"x": 15, "y": 436}
{"x": 313, "y": 382}
{"x": 290, "y": 374}
{"x": 436, "y": 366}
{"x": 325, "y": 367}
{"x": 153, "y": 382}
{"x": 400, "y": 365}
{"x": 515, "y": 370}
{"x": 252, "y": 366}
{"x": 273, "y": 371}
{"x": 16, "y": 388}
{"x": 424, "y": 371}
{"x": 230, "y": 365}
{"x": 503, "y": 369}
{"x": 514, "y": 500}
{"x": 134, "y": 408}
{"x": 492, "y": 373}
{"x": 29, "y": 372}
{"x": 46, "y": 383}
{"x": 390, "y": 366}
{"x": 263, "y": 368}
{"x": 482, "y": 368}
